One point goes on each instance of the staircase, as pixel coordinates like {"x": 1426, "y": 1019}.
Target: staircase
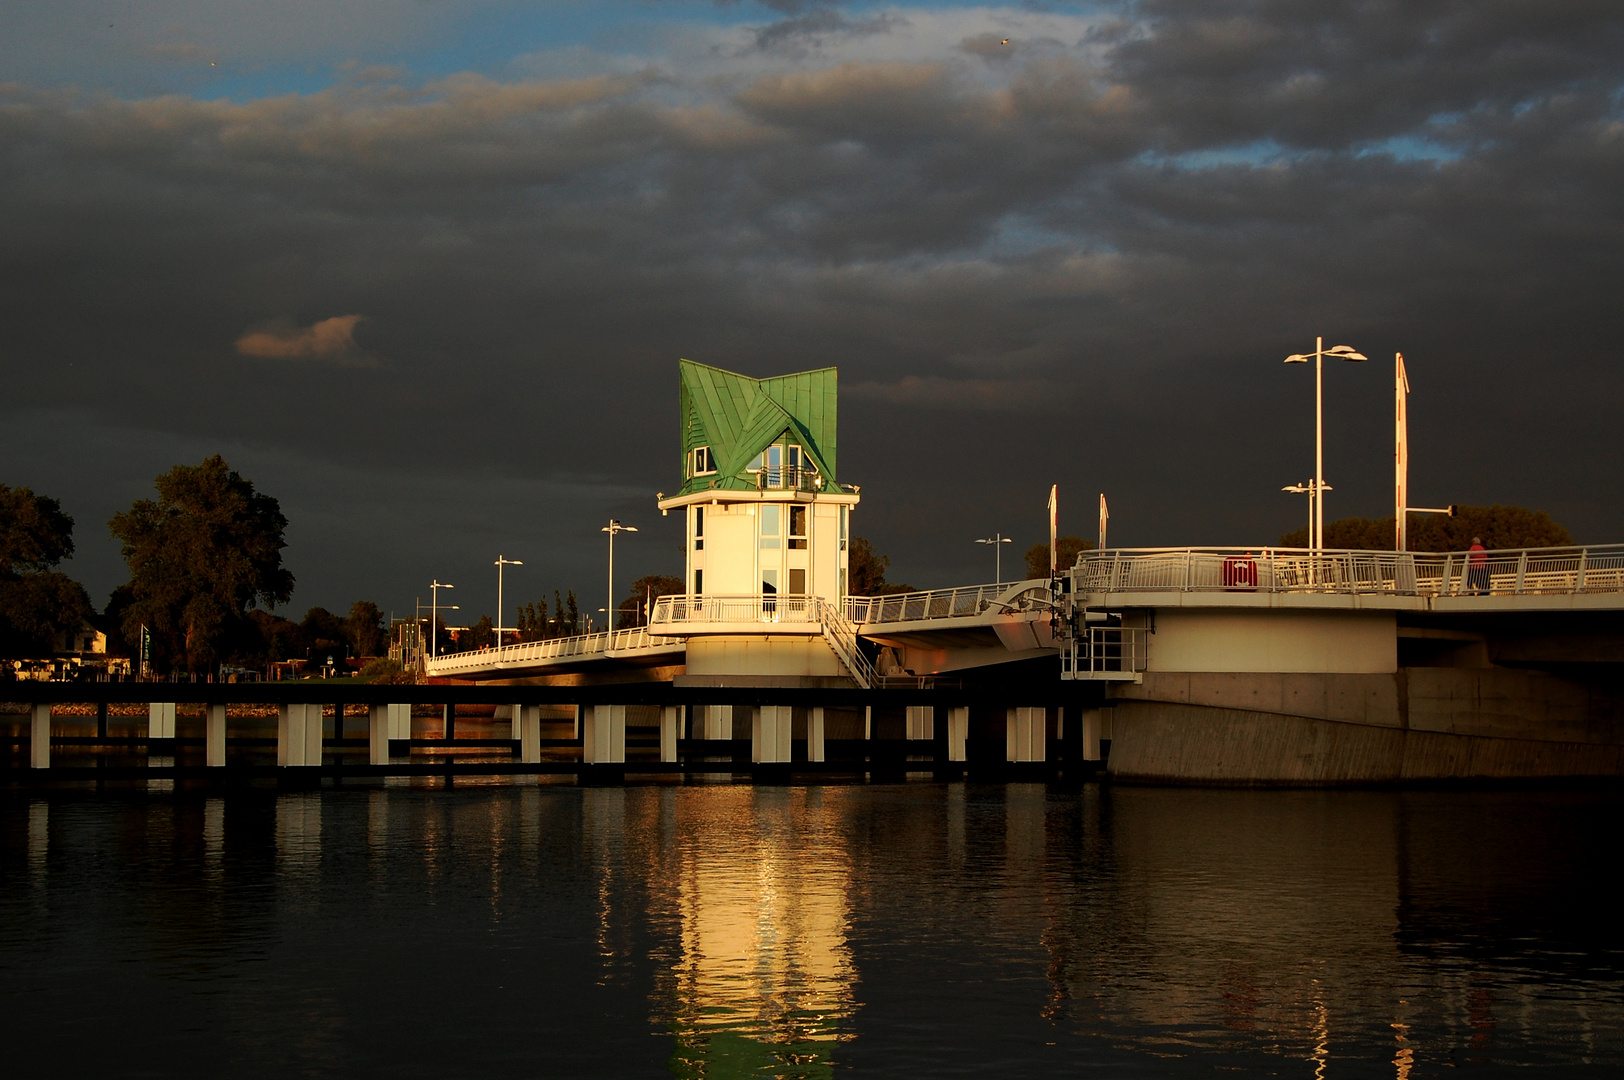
{"x": 842, "y": 638}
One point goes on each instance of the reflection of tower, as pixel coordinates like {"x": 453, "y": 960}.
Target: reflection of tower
{"x": 764, "y": 977}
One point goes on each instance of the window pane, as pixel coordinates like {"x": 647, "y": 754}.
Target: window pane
{"x": 769, "y": 520}
{"x": 797, "y": 521}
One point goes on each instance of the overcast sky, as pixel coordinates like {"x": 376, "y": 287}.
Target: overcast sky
{"x": 423, "y": 270}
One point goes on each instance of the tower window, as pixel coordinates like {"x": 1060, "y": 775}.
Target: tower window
{"x": 700, "y": 461}
{"x": 797, "y": 527}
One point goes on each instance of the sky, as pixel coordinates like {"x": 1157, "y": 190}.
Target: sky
{"x": 422, "y": 269}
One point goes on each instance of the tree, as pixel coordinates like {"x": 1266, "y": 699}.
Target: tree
{"x": 1499, "y": 526}
{"x": 324, "y": 634}
{"x": 640, "y": 596}
{"x": 365, "y": 631}
{"x": 200, "y": 555}
{"x": 865, "y": 571}
{"x": 482, "y": 635}
{"x": 36, "y": 602}
{"x": 1067, "y": 548}
{"x": 533, "y": 621}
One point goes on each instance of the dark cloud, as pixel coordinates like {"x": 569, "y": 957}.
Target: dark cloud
{"x": 1084, "y": 267}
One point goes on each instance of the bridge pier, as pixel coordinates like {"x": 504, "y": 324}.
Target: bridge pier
{"x": 603, "y": 741}
{"x": 921, "y": 724}
{"x": 814, "y": 733}
{"x": 717, "y": 722}
{"x": 958, "y": 731}
{"x": 770, "y": 729}
{"x": 1093, "y": 722}
{"x": 1026, "y": 734}
{"x": 527, "y": 722}
{"x": 298, "y": 735}
{"x": 161, "y": 720}
{"x": 39, "y": 736}
{"x": 214, "y": 736}
{"x": 670, "y": 725}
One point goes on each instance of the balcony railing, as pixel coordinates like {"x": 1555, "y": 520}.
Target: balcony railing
{"x": 1106, "y": 652}
{"x": 741, "y": 612}
{"x": 1520, "y": 572}
{"x": 789, "y": 478}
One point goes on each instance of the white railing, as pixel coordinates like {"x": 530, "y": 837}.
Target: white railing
{"x": 813, "y": 612}
{"x": 1531, "y": 571}
{"x": 1106, "y": 652}
{"x": 529, "y": 652}
{"x": 916, "y": 606}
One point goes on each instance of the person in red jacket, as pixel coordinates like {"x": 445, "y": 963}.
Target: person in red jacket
{"x": 1477, "y": 573}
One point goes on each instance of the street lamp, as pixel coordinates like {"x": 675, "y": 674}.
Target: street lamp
{"x": 1316, "y": 532}
{"x": 434, "y": 616}
{"x": 997, "y": 540}
{"x": 500, "y": 563}
{"x": 1308, "y": 489}
{"x": 612, "y": 528}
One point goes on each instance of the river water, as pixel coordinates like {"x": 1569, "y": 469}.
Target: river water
{"x": 726, "y": 931}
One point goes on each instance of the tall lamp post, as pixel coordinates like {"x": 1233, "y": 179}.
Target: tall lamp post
{"x": 434, "y": 617}
{"x": 1311, "y": 490}
{"x": 1316, "y": 534}
{"x": 997, "y": 540}
{"x": 500, "y": 563}
{"x": 612, "y": 528}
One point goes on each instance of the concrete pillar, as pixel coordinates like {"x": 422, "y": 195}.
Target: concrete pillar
{"x": 378, "y": 734}
{"x": 161, "y": 720}
{"x": 921, "y": 722}
{"x": 1025, "y": 734}
{"x": 400, "y": 722}
{"x": 214, "y": 736}
{"x": 338, "y": 721}
{"x": 814, "y": 733}
{"x": 670, "y": 723}
{"x": 298, "y": 735}
{"x": 718, "y": 722}
{"x": 1092, "y": 719}
{"x": 603, "y": 741}
{"x": 529, "y": 725}
{"x": 39, "y": 736}
{"x": 450, "y": 722}
{"x": 770, "y": 728}
{"x": 868, "y": 721}
{"x": 958, "y": 731}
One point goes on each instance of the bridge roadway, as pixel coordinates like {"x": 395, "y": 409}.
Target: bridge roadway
{"x": 954, "y": 630}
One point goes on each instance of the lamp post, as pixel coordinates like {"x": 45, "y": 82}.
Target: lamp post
{"x": 1311, "y": 490}
{"x": 997, "y": 540}
{"x": 500, "y": 563}
{"x": 1316, "y": 532}
{"x": 434, "y": 617}
{"x": 612, "y": 528}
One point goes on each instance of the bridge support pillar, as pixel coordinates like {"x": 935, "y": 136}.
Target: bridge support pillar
{"x": 921, "y": 722}
{"x": 39, "y": 736}
{"x": 603, "y": 741}
{"x": 1092, "y": 722}
{"x": 527, "y": 723}
{"x": 379, "y": 729}
{"x": 814, "y": 733}
{"x": 298, "y": 735}
{"x": 161, "y": 720}
{"x": 1025, "y": 734}
{"x": 770, "y": 734}
{"x": 868, "y": 722}
{"x": 214, "y": 736}
{"x": 670, "y": 725}
{"x": 718, "y": 722}
{"x": 958, "y": 731}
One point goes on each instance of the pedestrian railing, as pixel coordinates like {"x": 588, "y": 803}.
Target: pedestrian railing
{"x": 1529, "y": 571}
{"x": 918, "y": 606}
{"x": 814, "y": 613}
{"x": 1106, "y": 652}
{"x": 530, "y": 652}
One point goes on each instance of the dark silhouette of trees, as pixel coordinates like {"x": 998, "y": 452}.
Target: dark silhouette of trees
{"x": 365, "y": 631}
{"x": 1499, "y": 526}
{"x": 36, "y": 601}
{"x": 200, "y": 555}
{"x": 640, "y": 597}
{"x": 1067, "y": 548}
{"x": 865, "y": 571}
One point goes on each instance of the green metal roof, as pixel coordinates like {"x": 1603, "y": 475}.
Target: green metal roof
{"x": 738, "y": 417}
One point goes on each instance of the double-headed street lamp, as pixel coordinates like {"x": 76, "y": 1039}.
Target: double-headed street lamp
{"x": 1316, "y": 531}
{"x": 434, "y": 616}
{"x": 997, "y": 540}
{"x": 500, "y": 563}
{"x": 612, "y": 528}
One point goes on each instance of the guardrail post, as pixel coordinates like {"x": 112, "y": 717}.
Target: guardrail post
{"x": 1579, "y": 578}
{"x": 39, "y": 735}
{"x": 814, "y": 733}
{"x": 214, "y": 735}
{"x": 1522, "y": 571}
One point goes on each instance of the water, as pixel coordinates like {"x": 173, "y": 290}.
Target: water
{"x": 720, "y": 931}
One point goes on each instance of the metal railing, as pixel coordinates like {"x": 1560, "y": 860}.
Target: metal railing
{"x": 1106, "y": 651}
{"x": 938, "y": 604}
{"x": 601, "y": 642}
{"x": 813, "y": 612}
{"x": 788, "y": 478}
{"x": 1530, "y": 571}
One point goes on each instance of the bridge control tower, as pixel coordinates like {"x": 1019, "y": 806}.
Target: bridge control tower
{"x": 767, "y": 528}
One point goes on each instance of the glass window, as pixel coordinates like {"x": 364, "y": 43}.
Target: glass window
{"x": 797, "y": 527}
{"x": 771, "y": 525}
{"x": 699, "y": 580}
{"x": 769, "y": 580}
{"x": 702, "y": 462}
{"x": 699, "y": 528}
{"x": 845, "y": 514}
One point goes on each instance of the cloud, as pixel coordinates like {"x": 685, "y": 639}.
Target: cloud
{"x": 330, "y": 339}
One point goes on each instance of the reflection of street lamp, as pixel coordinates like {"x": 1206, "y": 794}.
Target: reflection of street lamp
{"x": 612, "y": 528}
{"x": 434, "y": 617}
{"x": 1316, "y": 532}
{"x": 997, "y": 540}
{"x": 501, "y": 562}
